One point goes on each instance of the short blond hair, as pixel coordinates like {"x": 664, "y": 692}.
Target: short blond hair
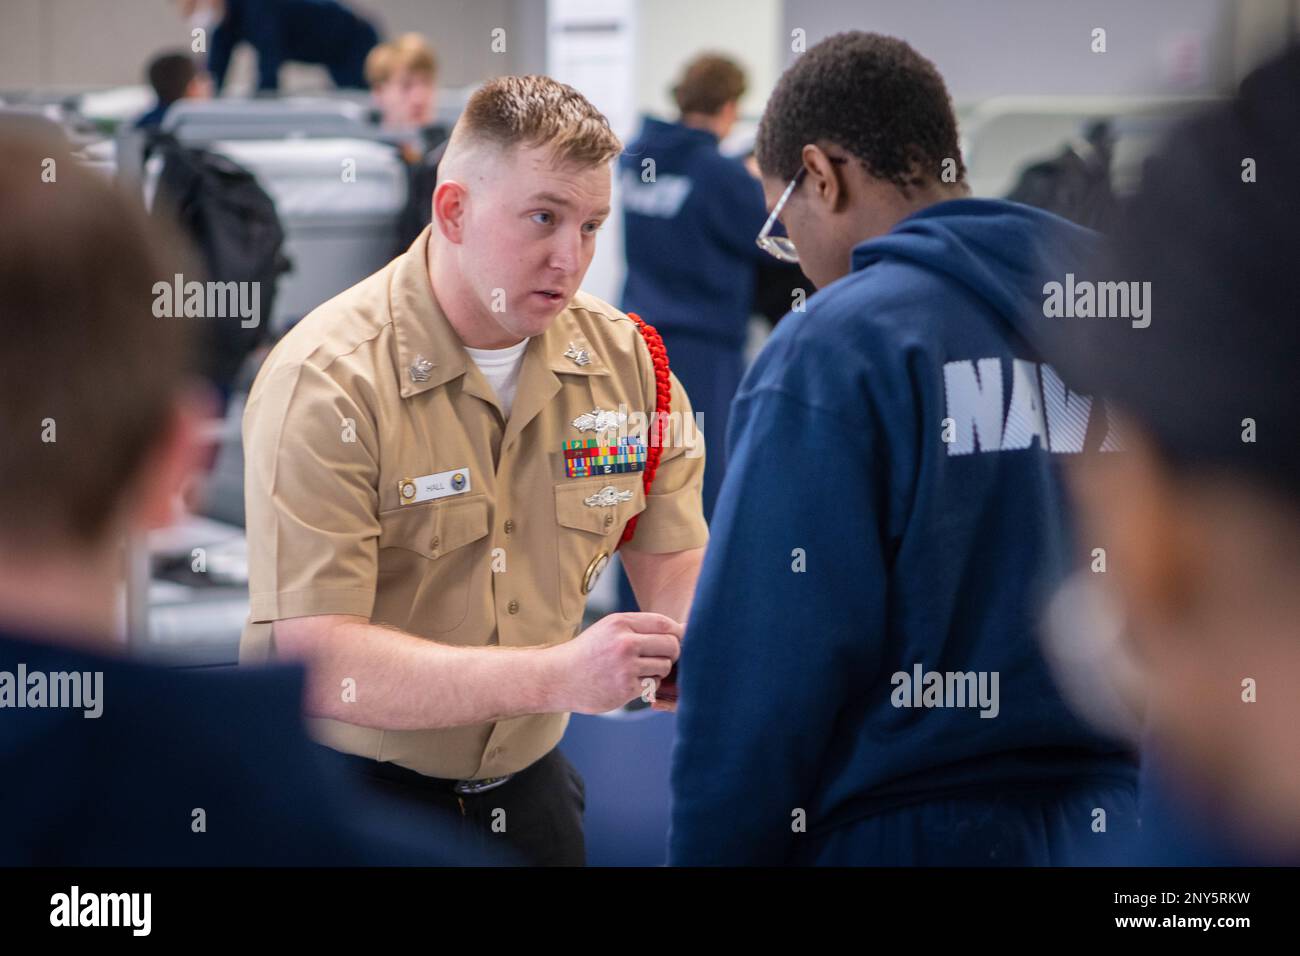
{"x": 410, "y": 52}
{"x": 530, "y": 111}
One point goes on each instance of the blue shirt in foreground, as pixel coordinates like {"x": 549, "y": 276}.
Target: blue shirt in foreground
{"x": 862, "y": 542}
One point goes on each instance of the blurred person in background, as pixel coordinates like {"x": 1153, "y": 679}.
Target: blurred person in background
{"x": 690, "y": 215}
{"x": 174, "y": 76}
{"x": 403, "y": 78}
{"x": 1199, "y": 514}
{"x": 106, "y": 761}
{"x": 323, "y": 32}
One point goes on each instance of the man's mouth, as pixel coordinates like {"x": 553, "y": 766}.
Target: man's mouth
{"x": 550, "y": 295}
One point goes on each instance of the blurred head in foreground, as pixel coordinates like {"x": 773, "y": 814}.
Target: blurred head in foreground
{"x": 97, "y": 421}
{"x": 1199, "y": 514}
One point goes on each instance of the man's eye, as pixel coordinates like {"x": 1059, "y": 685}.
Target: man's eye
{"x": 591, "y": 228}
{"x": 542, "y": 218}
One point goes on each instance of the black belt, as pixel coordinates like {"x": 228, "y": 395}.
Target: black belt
{"x": 391, "y": 771}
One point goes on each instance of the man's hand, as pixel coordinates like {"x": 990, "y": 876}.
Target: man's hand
{"x": 606, "y": 665}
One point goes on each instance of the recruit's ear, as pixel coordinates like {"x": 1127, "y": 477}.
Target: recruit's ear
{"x": 824, "y": 181}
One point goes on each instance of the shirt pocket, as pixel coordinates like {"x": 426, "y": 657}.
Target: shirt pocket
{"x": 425, "y": 567}
{"x": 587, "y": 533}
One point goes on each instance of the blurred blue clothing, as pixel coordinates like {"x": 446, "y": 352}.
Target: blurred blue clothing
{"x": 323, "y": 32}
{"x": 152, "y": 119}
{"x": 689, "y": 233}
{"x": 125, "y": 788}
{"x": 692, "y": 264}
{"x": 1016, "y": 824}
{"x": 1180, "y": 825}
{"x": 859, "y": 551}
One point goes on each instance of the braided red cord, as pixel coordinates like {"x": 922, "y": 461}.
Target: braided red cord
{"x": 663, "y": 405}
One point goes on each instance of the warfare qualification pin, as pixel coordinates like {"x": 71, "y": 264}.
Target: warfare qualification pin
{"x": 599, "y": 420}
{"x": 607, "y": 497}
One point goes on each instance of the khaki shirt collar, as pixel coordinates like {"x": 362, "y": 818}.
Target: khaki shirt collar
{"x": 430, "y": 353}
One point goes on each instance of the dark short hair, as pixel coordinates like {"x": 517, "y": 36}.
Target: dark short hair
{"x": 170, "y": 74}
{"x": 709, "y": 83}
{"x": 83, "y": 360}
{"x": 871, "y": 95}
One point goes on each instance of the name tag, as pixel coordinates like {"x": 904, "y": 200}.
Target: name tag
{"x": 411, "y": 491}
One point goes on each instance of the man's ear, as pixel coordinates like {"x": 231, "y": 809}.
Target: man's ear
{"x": 449, "y": 201}
{"x": 165, "y": 478}
{"x": 824, "y": 180}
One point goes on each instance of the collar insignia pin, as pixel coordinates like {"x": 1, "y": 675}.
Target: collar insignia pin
{"x": 580, "y": 356}
{"x": 420, "y": 369}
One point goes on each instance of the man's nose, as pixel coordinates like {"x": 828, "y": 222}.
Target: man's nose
{"x": 567, "y": 251}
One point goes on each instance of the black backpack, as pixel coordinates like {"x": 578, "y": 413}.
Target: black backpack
{"x": 1076, "y": 183}
{"x": 233, "y": 224}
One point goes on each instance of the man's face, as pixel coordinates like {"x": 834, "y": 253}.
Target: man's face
{"x": 406, "y": 100}
{"x": 529, "y": 236}
{"x": 1203, "y": 620}
{"x": 820, "y": 260}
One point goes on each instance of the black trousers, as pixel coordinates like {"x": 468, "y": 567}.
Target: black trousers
{"x": 536, "y": 814}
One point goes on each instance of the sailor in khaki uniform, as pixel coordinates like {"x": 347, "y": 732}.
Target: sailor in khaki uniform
{"x": 441, "y": 461}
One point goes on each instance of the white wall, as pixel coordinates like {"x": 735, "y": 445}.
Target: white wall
{"x": 1042, "y": 47}
{"x": 672, "y": 32}
{"x": 74, "y": 44}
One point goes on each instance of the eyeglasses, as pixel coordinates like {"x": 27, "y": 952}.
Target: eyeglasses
{"x": 782, "y": 247}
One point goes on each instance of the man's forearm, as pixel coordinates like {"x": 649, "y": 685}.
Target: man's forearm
{"x": 381, "y": 677}
{"x": 664, "y": 583}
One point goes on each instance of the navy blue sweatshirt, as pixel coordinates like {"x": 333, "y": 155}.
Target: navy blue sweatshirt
{"x": 861, "y": 542}
{"x": 689, "y": 234}
{"x": 301, "y": 31}
{"x": 115, "y": 781}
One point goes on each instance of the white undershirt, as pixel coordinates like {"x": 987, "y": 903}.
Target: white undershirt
{"x": 501, "y": 368}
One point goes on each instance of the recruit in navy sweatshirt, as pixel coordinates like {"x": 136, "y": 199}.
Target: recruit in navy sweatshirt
{"x": 864, "y": 633}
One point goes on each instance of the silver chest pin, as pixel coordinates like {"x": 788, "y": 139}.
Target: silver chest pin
{"x": 580, "y": 356}
{"x": 607, "y": 497}
{"x": 420, "y": 369}
{"x": 599, "y": 420}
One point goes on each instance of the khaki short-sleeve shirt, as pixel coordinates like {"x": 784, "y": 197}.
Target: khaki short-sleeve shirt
{"x": 382, "y": 481}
